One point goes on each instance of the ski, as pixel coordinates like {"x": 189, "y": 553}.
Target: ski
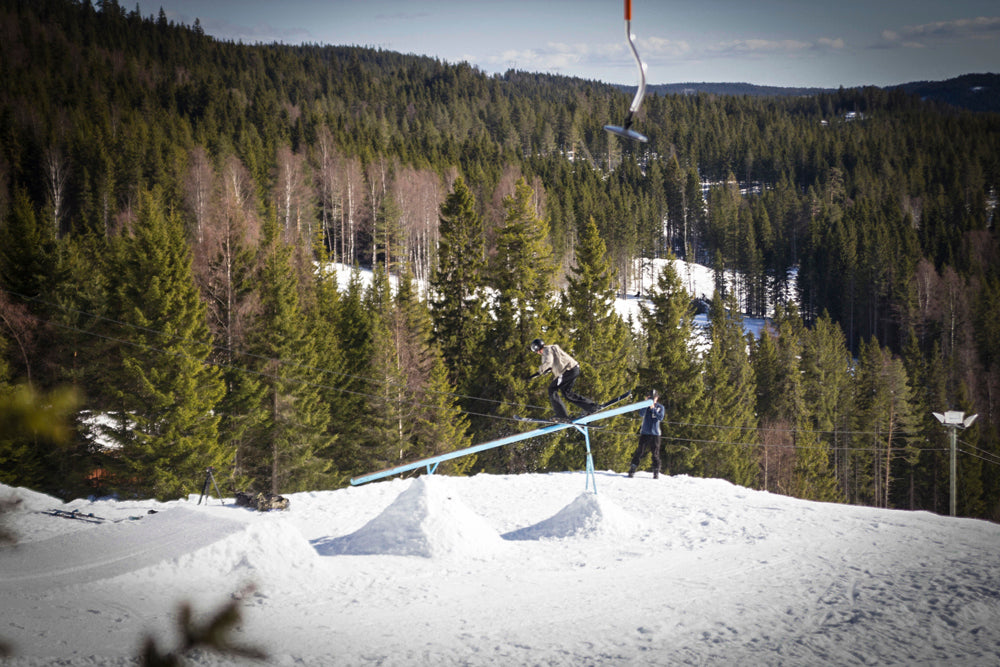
{"x": 614, "y": 400}
{"x": 549, "y": 422}
{"x": 75, "y": 514}
{"x": 89, "y": 517}
{"x": 573, "y": 420}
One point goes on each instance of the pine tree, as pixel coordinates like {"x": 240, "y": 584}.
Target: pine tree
{"x": 330, "y": 358}
{"x": 727, "y": 403}
{"x": 522, "y": 272}
{"x": 457, "y": 287}
{"x": 385, "y": 429}
{"x": 388, "y": 233}
{"x": 411, "y": 330}
{"x": 796, "y": 458}
{"x": 723, "y": 222}
{"x": 354, "y": 330}
{"x": 927, "y": 469}
{"x": 670, "y": 364}
{"x": 167, "y": 392}
{"x": 286, "y": 443}
{"x": 601, "y": 342}
{"x": 885, "y": 415}
{"x": 27, "y": 250}
{"x": 78, "y": 348}
{"x": 20, "y": 460}
{"x": 780, "y": 400}
{"x": 226, "y": 262}
{"x": 825, "y": 365}
{"x": 441, "y": 426}
{"x": 402, "y": 366}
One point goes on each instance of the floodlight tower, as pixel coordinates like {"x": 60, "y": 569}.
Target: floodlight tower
{"x": 954, "y": 420}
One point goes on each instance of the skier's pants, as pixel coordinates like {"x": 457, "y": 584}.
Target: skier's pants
{"x": 566, "y": 386}
{"x": 647, "y": 443}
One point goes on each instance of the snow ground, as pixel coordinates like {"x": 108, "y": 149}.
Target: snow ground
{"x": 521, "y": 569}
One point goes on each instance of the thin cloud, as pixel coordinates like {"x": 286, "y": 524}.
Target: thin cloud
{"x": 556, "y": 56}
{"x": 657, "y": 46}
{"x": 742, "y": 48}
{"x": 402, "y": 16}
{"x": 920, "y": 36}
{"x": 834, "y": 44}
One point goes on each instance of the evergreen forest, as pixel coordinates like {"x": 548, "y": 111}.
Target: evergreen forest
{"x": 173, "y": 208}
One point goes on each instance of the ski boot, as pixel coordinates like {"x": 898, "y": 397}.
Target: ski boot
{"x": 631, "y": 470}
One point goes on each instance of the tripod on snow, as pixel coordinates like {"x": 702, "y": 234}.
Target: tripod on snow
{"x": 209, "y": 477}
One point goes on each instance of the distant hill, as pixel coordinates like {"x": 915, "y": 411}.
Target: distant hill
{"x": 733, "y": 89}
{"x": 975, "y": 92}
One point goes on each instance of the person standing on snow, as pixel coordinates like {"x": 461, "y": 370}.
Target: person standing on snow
{"x": 566, "y": 371}
{"x": 649, "y": 435}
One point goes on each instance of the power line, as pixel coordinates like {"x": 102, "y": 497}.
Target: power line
{"x": 408, "y": 390}
{"x": 773, "y": 429}
{"x": 980, "y": 454}
{"x": 262, "y": 358}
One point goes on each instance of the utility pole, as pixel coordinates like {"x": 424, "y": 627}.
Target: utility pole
{"x": 954, "y": 420}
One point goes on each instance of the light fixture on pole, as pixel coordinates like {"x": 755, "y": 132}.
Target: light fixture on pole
{"x": 954, "y": 420}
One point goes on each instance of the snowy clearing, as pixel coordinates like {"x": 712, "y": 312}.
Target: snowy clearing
{"x": 519, "y": 569}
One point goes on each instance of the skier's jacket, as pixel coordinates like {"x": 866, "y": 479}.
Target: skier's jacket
{"x": 651, "y": 418}
{"x": 553, "y": 357}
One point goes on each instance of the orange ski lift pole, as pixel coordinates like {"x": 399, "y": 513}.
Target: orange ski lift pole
{"x": 625, "y": 129}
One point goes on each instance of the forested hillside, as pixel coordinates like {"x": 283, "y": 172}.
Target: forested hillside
{"x": 170, "y": 205}
{"x": 976, "y": 92}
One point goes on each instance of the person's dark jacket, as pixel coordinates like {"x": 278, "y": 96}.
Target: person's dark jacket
{"x": 651, "y": 418}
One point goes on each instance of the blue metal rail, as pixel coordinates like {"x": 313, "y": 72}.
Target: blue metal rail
{"x": 580, "y": 424}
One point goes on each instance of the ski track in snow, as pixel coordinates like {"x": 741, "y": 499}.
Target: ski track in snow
{"x": 510, "y": 569}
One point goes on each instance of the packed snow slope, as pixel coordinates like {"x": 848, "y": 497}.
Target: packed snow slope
{"x": 515, "y": 570}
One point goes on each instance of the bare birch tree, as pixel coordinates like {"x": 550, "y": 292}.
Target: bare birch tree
{"x": 419, "y": 195}
{"x": 225, "y": 252}
{"x": 293, "y": 196}
{"x": 377, "y": 180}
{"x": 198, "y": 191}
{"x": 328, "y": 184}
{"x": 352, "y": 180}
{"x": 56, "y": 170}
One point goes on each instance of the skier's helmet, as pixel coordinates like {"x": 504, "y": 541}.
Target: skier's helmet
{"x": 537, "y": 345}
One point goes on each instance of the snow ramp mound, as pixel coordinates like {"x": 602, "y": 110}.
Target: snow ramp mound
{"x": 425, "y": 520}
{"x": 587, "y": 515}
{"x": 106, "y": 551}
{"x": 177, "y": 543}
{"x": 267, "y": 548}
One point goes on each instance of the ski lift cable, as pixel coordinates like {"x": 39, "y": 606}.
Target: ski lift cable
{"x": 313, "y": 369}
{"x": 981, "y": 454}
{"x": 269, "y": 374}
{"x": 266, "y": 374}
{"x": 415, "y": 403}
{"x": 991, "y": 461}
{"x": 214, "y": 346}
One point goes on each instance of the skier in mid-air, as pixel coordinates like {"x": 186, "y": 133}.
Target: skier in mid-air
{"x": 566, "y": 371}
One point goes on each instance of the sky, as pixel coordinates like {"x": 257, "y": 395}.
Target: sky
{"x": 766, "y": 42}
